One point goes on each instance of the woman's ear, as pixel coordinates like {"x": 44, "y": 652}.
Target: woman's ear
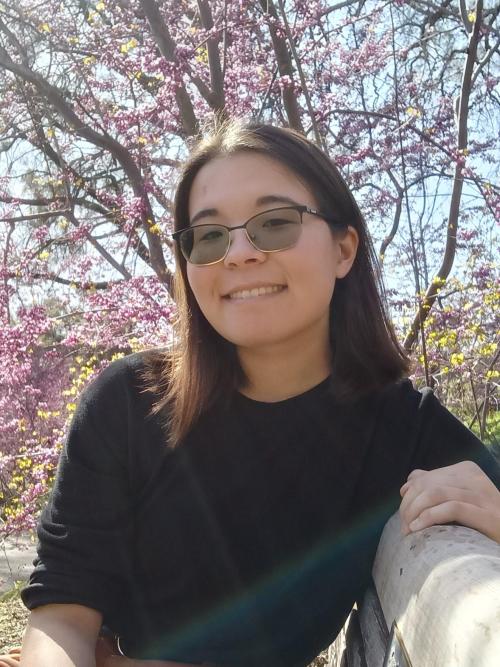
{"x": 348, "y": 247}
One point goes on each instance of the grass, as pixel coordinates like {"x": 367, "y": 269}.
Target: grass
{"x": 13, "y": 617}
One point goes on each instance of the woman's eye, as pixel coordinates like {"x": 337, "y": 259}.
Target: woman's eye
{"x": 275, "y": 223}
{"x": 212, "y": 235}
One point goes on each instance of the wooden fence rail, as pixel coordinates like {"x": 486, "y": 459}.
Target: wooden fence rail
{"x": 436, "y": 603}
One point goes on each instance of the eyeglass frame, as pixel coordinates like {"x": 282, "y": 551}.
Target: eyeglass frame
{"x": 301, "y": 208}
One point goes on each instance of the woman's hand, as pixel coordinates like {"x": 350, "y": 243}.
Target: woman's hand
{"x": 460, "y": 493}
{"x": 11, "y": 659}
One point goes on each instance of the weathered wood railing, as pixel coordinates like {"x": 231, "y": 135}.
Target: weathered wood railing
{"x": 436, "y": 603}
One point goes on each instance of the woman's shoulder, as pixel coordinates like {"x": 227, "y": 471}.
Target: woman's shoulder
{"x": 401, "y": 408}
{"x": 114, "y": 413}
{"x": 403, "y": 395}
{"x": 128, "y": 371}
{"x": 393, "y": 395}
{"x": 429, "y": 430}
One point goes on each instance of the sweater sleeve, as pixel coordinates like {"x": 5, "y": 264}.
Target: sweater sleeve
{"x": 84, "y": 531}
{"x": 443, "y": 440}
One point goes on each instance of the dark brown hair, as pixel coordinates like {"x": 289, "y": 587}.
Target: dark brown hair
{"x": 203, "y": 367}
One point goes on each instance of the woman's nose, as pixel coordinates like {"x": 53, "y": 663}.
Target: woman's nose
{"x": 241, "y": 251}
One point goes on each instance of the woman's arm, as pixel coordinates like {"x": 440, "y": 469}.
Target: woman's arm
{"x": 61, "y": 634}
{"x": 454, "y": 477}
{"x": 66, "y": 635}
{"x": 462, "y": 493}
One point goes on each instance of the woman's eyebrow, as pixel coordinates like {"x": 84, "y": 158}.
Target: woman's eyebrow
{"x": 275, "y": 199}
{"x": 260, "y": 201}
{"x": 204, "y": 213}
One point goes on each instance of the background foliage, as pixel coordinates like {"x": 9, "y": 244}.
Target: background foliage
{"x": 100, "y": 103}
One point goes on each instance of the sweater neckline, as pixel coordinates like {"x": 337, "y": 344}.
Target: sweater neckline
{"x": 291, "y": 401}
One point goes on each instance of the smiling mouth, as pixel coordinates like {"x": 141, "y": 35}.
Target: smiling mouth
{"x": 255, "y": 292}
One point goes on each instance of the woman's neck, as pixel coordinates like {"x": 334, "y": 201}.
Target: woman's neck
{"x": 275, "y": 375}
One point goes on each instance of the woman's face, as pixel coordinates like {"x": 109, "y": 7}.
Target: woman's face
{"x": 230, "y": 190}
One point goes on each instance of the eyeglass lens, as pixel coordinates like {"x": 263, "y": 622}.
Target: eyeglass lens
{"x": 268, "y": 232}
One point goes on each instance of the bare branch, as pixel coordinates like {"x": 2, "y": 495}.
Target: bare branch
{"x": 39, "y": 201}
{"x": 36, "y": 216}
{"x": 102, "y": 251}
{"x": 88, "y": 286}
{"x": 462, "y": 112}
{"x": 340, "y": 5}
{"x": 485, "y": 59}
{"x": 397, "y": 217}
{"x": 465, "y": 16}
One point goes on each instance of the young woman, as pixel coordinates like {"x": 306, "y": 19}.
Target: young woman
{"x": 221, "y": 503}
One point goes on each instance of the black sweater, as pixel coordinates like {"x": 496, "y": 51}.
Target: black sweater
{"x": 249, "y": 543}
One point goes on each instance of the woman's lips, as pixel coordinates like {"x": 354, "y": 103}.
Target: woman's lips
{"x": 254, "y": 292}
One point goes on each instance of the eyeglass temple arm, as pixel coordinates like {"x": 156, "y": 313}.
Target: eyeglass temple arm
{"x": 327, "y": 218}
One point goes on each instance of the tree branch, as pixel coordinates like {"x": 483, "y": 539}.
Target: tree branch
{"x": 285, "y": 68}
{"x": 462, "y": 112}
{"x": 105, "y": 141}
{"x": 397, "y": 217}
{"x": 166, "y": 46}
{"x": 485, "y": 59}
{"x": 319, "y": 139}
{"x": 102, "y": 251}
{"x": 340, "y": 5}
{"x": 36, "y": 216}
{"x": 99, "y": 285}
{"x": 216, "y": 76}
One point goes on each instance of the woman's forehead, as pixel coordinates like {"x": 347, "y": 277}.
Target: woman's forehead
{"x": 244, "y": 177}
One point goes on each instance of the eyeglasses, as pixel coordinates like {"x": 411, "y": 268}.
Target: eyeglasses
{"x": 270, "y": 231}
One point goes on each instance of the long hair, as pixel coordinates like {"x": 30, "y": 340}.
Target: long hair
{"x": 203, "y": 367}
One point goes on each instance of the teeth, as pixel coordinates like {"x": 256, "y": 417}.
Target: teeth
{"x": 257, "y": 291}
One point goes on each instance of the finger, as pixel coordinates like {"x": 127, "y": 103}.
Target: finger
{"x": 421, "y": 495}
{"x": 417, "y": 499}
{"x": 459, "y": 479}
{"x": 407, "y": 485}
{"x": 437, "y": 479}
{"x": 461, "y": 473}
{"x": 463, "y": 513}
{"x": 437, "y": 496}
{"x": 416, "y": 473}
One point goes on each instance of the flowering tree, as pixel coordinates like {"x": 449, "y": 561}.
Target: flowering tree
{"x": 100, "y": 103}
